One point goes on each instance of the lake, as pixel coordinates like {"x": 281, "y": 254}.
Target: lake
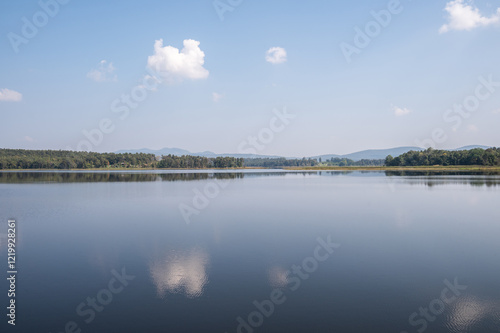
{"x": 253, "y": 251}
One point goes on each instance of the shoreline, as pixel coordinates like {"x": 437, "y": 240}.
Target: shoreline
{"x": 462, "y": 168}
{"x": 129, "y": 169}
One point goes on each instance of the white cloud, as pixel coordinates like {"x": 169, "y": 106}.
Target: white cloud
{"x": 104, "y": 72}
{"x": 216, "y": 97}
{"x": 28, "y": 138}
{"x": 173, "y": 64}
{"x": 400, "y": 111}
{"x": 496, "y": 111}
{"x": 7, "y": 95}
{"x": 276, "y": 55}
{"x": 465, "y": 16}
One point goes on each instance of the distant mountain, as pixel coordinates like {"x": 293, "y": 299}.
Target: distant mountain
{"x": 163, "y": 151}
{"x": 327, "y": 156}
{"x": 180, "y": 152}
{"x": 378, "y": 154}
{"x": 470, "y": 147}
{"x": 371, "y": 154}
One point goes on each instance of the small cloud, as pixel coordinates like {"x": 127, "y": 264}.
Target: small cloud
{"x": 496, "y": 111}
{"x": 465, "y": 16}
{"x": 216, "y": 97}
{"x": 174, "y": 65}
{"x": 276, "y": 55}
{"x": 398, "y": 112}
{"x": 28, "y": 138}
{"x": 7, "y": 95}
{"x": 104, "y": 72}
{"x": 472, "y": 128}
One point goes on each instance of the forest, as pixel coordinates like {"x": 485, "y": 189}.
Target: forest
{"x": 307, "y": 162}
{"x": 279, "y": 162}
{"x": 198, "y": 162}
{"x": 61, "y": 159}
{"x": 488, "y": 157}
{"x": 337, "y": 161}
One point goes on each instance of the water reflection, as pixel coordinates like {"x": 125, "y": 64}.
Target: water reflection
{"x": 475, "y": 181}
{"x": 442, "y": 173}
{"x": 181, "y": 273}
{"x": 99, "y": 176}
{"x": 471, "y": 313}
{"x": 278, "y": 277}
{"x": 427, "y": 178}
{"x": 398, "y": 245}
{"x": 402, "y": 217}
{"x": 3, "y": 240}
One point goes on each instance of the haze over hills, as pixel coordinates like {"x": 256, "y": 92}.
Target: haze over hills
{"x": 370, "y": 154}
{"x": 180, "y": 152}
{"x": 356, "y": 156}
{"x": 470, "y": 147}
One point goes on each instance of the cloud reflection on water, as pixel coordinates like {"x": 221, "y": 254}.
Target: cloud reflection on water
{"x": 181, "y": 273}
{"x": 278, "y": 277}
{"x": 469, "y": 313}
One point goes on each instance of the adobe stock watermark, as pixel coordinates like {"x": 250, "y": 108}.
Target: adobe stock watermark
{"x": 295, "y": 276}
{"x": 425, "y": 315}
{"x": 266, "y": 135}
{"x": 223, "y": 6}
{"x": 371, "y": 30}
{"x": 89, "y": 308}
{"x": 121, "y": 107}
{"x": 201, "y": 199}
{"x": 253, "y": 143}
{"x": 456, "y": 115}
{"x": 31, "y": 26}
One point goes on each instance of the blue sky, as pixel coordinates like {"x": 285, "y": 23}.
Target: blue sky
{"x": 423, "y": 63}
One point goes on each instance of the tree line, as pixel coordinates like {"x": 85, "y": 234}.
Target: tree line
{"x": 198, "y": 162}
{"x": 337, "y": 161}
{"x": 63, "y": 159}
{"x": 89, "y": 177}
{"x": 429, "y": 157}
{"x": 279, "y": 162}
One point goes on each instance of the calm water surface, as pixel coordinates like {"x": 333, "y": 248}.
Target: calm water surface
{"x": 259, "y": 251}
